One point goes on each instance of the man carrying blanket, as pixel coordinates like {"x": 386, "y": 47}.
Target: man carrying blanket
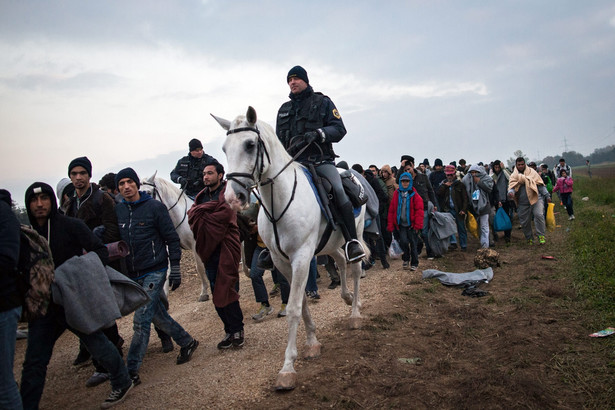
{"x": 67, "y": 237}
{"x": 528, "y": 190}
{"x": 214, "y": 225}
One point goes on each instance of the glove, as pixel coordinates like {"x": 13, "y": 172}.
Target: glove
{"x": 182, "y": 182}
{"x": 311, "y": 136}
{"x": 175, "y": 277}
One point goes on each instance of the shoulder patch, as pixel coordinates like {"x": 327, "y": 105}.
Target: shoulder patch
{"x": 336, "y": 113}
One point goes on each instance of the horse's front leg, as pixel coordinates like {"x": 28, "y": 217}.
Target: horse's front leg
{"x": 312, "y": 344}
{"x": 287, "y": 377}
{"x": 355, "y": 315}
{"x": 340, "y": 260}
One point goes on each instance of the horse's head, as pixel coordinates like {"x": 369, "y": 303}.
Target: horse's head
{"x": 247, "y": 150}
{"x": 148, "y": 185}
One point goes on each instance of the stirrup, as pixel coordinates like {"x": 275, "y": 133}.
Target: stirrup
{"x": 356, "y": 258}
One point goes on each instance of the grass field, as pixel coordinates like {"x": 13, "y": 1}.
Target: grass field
{"x": 592, "y": 242}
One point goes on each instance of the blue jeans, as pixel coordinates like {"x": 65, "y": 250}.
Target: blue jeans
{"x": 311, "y": 282}
{"x": 42, "y": 335}
{"x": 153, "y": 312}
{"x": 9, "y": 393}
{"x": 256, "y": 276}
{"x": 461, "y": 230}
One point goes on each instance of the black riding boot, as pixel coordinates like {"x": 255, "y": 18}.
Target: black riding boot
{"x": 353, "y": 249}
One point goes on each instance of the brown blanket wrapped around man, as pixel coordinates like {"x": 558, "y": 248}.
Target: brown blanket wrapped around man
{"x": 214, "y": 224}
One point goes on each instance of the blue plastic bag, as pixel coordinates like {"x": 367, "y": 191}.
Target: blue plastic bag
{"x": 501, "y": 222}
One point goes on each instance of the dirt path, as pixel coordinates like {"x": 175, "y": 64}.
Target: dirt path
{"x": 422, "y": 345}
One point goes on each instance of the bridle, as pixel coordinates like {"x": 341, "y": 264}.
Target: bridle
{"x": 259, "y": 163}
{"x": 181, "y": 194}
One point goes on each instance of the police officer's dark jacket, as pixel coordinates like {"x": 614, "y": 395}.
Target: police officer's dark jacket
{"x": 191, "y": 169}
{"x": 147, "y": 227}
{"x": 310, "y": 111}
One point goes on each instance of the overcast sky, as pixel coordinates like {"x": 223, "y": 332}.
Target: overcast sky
{"x": 131, "y": 82}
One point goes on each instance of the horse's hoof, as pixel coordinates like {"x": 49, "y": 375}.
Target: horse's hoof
{"x": 355, "y": 323}
{"x": 203, "y": 298}
{"x": 348, "y": 299}
{"x": 312, "y": 352}
{"x": 286, "y": 381}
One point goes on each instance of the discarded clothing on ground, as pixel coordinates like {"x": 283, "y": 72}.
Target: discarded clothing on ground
{"x": 460, "y": 279}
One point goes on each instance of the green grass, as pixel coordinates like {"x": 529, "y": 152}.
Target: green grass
{"x": 592, "y": 242}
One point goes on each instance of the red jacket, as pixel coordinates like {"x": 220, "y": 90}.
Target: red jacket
{"x": 416, "y": 211}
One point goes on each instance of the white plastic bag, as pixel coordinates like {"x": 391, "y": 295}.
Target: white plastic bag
{"x": 395, "y": 251}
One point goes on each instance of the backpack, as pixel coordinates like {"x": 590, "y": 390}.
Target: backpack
{"x": 37, "y": 273}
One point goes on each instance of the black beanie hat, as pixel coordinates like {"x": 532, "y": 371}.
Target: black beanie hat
{"x": 81, "y": 162}
{"x": 426, "y": 162}
{"x": 407, "y": 158}
{"x": 194, "y": 144}
{"x": 127, "y": 173}
{"x": 299, "y": 72}
{"x": 438, "y": 162}
{"x": 40, "y": 188}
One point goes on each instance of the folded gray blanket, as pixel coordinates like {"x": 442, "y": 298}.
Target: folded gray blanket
{"x": 94, "y": 295}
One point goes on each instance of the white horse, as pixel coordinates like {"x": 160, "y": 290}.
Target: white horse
{"x": 178, "y": 204}
{"x": 290, "y": 223}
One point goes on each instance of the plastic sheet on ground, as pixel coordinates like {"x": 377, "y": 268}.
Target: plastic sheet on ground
{"x": 459, "y": 279}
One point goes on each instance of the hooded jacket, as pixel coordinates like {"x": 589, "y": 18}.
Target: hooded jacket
{"x": 10, "y": 294}
{"x": 148, "y": 229}
{"x": 414, "y": 208}
{"x": 478, "y": 193}
{"x": 67, "y": 236}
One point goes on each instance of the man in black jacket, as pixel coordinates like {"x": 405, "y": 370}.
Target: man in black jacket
{"x": 11, "y": 299}
{"x": 188, "y": 172}
{"x": 310, "y": 120}
{"x": 146, "y": 226}
{"x": 67, "y": 237}
{"x": 97, "y": 210}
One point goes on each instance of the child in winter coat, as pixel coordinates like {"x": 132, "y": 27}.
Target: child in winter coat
{"x": 564, "y": 187}
{"x": 405, "y": 219}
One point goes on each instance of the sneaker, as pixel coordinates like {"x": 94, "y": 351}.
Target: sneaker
{"x": 405, "y": 265}
{"x": 464, "y": 249}
{"x": 262, "y": 312}
{"x": 226, "y": 342}
{"x": 136, "y": 380}
{"x": 282, "y": 311}
{"x": 82, "y": 358}
{"x": 96, "y": 379}
{"x": 312, "y": 294}
{"x": 430, "y": 257}
{"x": 541, "y": 240}
{"x": 21, "y": 334}
{"x": 334, "y": 284}
{"x": 116, "y": 397}
{"x": 530, "y": 242}
{"x": 275, "y": 291}
{"x": 385, "y": 264}
{"x": 413, "y": 267}
{"x": 185, "y": 353}
{"x": 452, "y": 246}
{"x": 167, "y": 345}
{"x": 237, "y": 339}
{"x": 572, "y": 217}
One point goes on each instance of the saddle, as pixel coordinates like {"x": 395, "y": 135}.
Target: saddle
{"x": 323, "y": 190}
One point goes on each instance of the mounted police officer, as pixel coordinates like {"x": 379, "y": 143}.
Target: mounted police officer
{"x": 189, "y": 170}
{"x": 311, "y": 121}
